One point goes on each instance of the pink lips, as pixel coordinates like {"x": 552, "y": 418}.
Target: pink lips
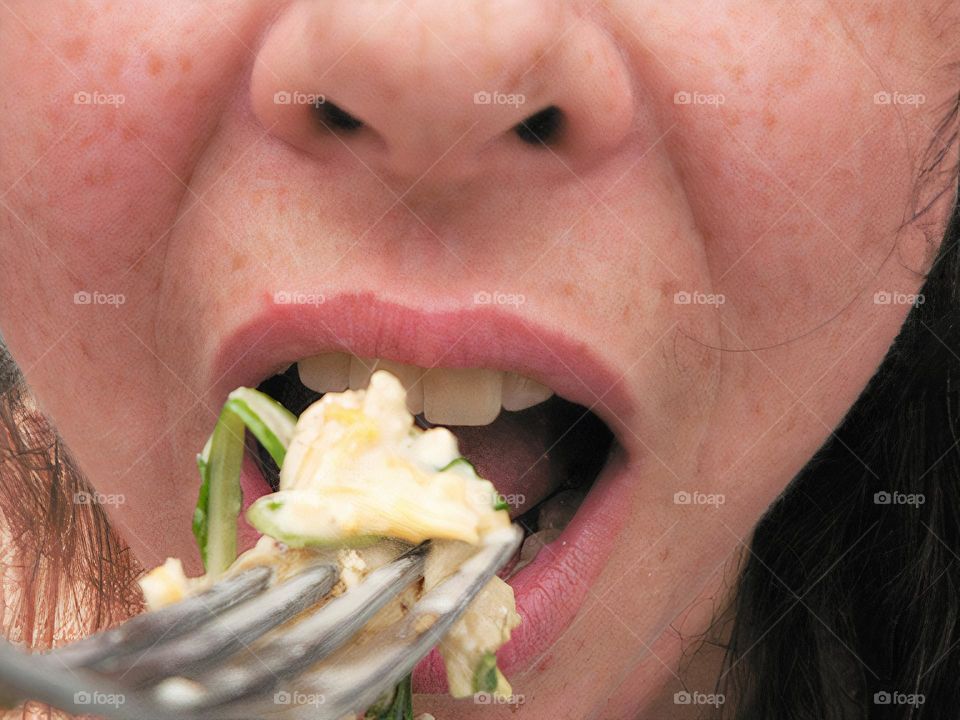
{"x": 481, "y": 336}
{"x": 552, "y": 589}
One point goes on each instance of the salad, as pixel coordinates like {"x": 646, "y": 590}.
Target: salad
{"x": 360, "y": 484}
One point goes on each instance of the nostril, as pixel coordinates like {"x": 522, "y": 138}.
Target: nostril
{"x": 334, "y": 117}
{"x": 541, "y": 128}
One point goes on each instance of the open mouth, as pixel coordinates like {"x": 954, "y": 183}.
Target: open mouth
{"x": 541, "y": 452}
{"x": 537, "y": 412}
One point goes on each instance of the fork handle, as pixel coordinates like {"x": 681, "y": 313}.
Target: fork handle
{"x": 40, "y": 678}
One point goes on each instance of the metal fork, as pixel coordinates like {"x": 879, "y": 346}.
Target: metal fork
{"x": 239, "y": 650}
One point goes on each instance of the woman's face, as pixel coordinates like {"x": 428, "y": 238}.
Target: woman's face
{"x": 712, "y": 253}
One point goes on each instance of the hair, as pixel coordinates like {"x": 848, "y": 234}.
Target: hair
{"x": 848, "y": 603}
{"x": 64, "y": 573}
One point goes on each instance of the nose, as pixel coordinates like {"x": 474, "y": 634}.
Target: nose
{"x": 433, "y": 91}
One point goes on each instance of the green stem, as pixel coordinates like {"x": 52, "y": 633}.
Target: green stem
{"x": 220, "y": 499}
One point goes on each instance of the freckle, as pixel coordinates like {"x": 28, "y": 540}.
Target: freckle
{"x": 138, "y": 265}
{"x": 114, "y": 65}
{"x": 75, "y": 48}
{"x": 769, "y": 119}
{"x": 186, "y": 64}
{"x": 738, "y": 71}
{"x": 721, "y": 39}
{"x": 664, "y": 554}
{"x": 85, "y": 349}
{"x": 239, "y": 261}
{"x": 733, "y": 118}
{"x": 92, "y": 178}
{"x": 54, "y": 114}
{"x": 154, "y": 64}
{"x": 130, "y": 132}
{"x": 568, "y": 289}
{"x": 668, "y": 289}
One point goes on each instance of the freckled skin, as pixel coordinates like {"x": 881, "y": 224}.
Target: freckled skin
{"x": 198, "y": 196}
{"x": 155, "y": 64}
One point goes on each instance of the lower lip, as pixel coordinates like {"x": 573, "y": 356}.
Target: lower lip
{"x": 549, "y": 592}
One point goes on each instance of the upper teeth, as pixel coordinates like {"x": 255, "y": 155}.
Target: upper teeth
{"x": 445, "y": 396}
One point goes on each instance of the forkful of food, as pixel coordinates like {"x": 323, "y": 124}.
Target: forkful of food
{"x": 381, "y": 543}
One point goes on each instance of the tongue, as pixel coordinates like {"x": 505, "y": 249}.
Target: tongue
{"x": 530, "y": 454}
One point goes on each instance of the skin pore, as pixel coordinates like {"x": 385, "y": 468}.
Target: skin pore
{"x": 764, "y": 155}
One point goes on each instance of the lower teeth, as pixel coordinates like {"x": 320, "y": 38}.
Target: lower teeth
{"x": 532, "y": 546}
{"x": 558, "y": 511}
{"x": 554, "y": 515}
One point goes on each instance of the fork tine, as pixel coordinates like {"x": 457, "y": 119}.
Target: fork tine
{"x": 355, "y": 677}
{"x": 229, "y": 631}
{"x": 146, "y": 630}
{"x": 290, "y": 651}
{"x": 346, "y": 678}
{"x": 364, "y": 673}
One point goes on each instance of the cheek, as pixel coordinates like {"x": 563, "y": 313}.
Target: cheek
{"x": 798, "y": 180}
{"x": 816, "y": 204}
{"x": 107, "y": 110}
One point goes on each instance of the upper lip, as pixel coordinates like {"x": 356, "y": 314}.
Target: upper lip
{"x": 367, "y": 326}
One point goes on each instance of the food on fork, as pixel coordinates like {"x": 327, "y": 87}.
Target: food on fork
{"x": 359, "y": 483}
